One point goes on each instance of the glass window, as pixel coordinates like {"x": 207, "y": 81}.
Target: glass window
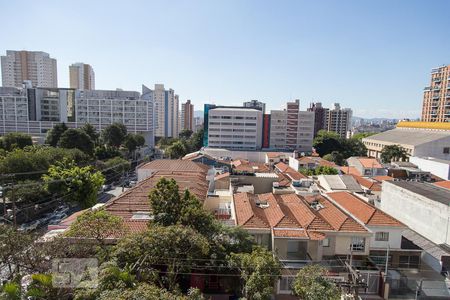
{"x": 326, "y": 242}
{"x": 357, "y": 243}
{"x": 382, "y": 236}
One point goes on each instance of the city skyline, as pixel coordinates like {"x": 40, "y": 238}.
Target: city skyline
{"x": 372, "y": 57}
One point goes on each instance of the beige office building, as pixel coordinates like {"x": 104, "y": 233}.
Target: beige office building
{"x": 436, "y": 96}
{"x": 339, "y": 120}
{"x": 35, "y": 66}
{"x": 82, "y": 77}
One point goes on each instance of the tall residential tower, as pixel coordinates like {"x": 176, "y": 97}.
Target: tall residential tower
{"x": 187, "y": 116}
{"x": 436, "y": 97}
{"x": 35, "y": 66}
{"x": 339, "y": 120}
{"x": 82, "y": 77}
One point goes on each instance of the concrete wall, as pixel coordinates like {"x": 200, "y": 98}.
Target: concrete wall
{"x": 427, "y": 217}
{"x": 434, "y": 149}
{"x": 342, "y": 246}
{"x": 261, "y": 184}
{"x": 437, "y": 168}
{"x": 253, "y": 156}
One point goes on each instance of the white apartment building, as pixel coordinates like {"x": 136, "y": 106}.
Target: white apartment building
{"x": 291, "y": 129}
{"x": 35, "y": 66}
{"x": 82, "y": 77}
{"x": 233, "y": 128}
{"x": 167, "y": 119}
{"x": 339, "y": 120}
{"x": 36, "y": 110}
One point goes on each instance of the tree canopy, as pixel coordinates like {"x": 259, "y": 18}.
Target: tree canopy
{"x": 78, "y": 139}
{"x": 91, "y": 132}
{"x": 393, "y": 153}
{"x": 54, "y": 134}
{"x": 114, "y": 134}
{"x": 76, "y": 184}
{"x": 15, "y": 140}
{"x": 311, "y": 284}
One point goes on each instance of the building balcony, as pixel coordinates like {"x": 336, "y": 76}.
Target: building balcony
{"x": 427, "y": 88}
{"x": 437, "y": 79}
{"x": 435, "y": 97}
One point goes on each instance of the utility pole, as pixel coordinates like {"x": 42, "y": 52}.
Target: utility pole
{"x": 387, "y": 261}
{"x": 13, "y": 199}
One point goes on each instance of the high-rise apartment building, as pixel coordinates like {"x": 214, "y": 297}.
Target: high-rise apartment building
{"x": 37, "y": 110}
{"x": 233, "y": 128}
{"x": 436, "y": 97}
{"x": 256, "y": 104}
{"x": 291, "y": 129}
{"x": 35, "y": 66}
{"x": 339, "y": 120}
{"x": 187, "y": 116}
{"x": 82, "y": 76}
{"x": 166, "y": 113}
{"x": 320, "y": 117}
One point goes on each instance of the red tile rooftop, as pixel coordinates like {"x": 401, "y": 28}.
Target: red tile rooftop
{"x": 443, "y": 184}
{"x": 350, "y": 171}
{"x": 286, "y": 170}
{"x": 365, "y": 212}
{"x": 221, "y": 176}
{"x": 368, "y": 162}
{"x": 382, "y": 178}
{"x": 367, "y": 183}
{"x": 274, "y": 154}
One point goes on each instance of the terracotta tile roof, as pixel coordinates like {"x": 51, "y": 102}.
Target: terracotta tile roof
{"x": 282, "y": 167}
{"x": 350, "y": 171}
{"x": 223, "y": 175}
{"x": 274, "y": 154}
{"x": 383, "y": 178}
{"x": 136, "y": 198}
{"x": 366, "y": 213}
{"x": 368, "y": 162}
{"x": 292, "y": 233}
{"x": 286, "y": 170}
{"x": 136, "y": 226}
{"x": 367, "y": 183}
{"x": 248, "y": 214}
{"x": 316, "y": 236}
{"x": 335, "y": 217}
{"x": 283, "y": 180}
{"x": 175, "y": 165}
{"x": 444, "y": 184}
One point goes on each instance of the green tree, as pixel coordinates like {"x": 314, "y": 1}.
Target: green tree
{"x": 140, "y": 140}
{"x": 176, "y": 249}
{"x": 165, "y": 142}
{"x": 54, "y": 134}
{"x": 28, "y": 192}
{"x": 310, "y": 284}
{"x": 97, "y": 225}
{"x": 185, "y": 134}
{"x": 325, "y": 170}
{"x": 306, "y": 171}
{"x": 41, "y": 287}
{"x": 353, "y": 147}
{"x": 91, "y": 132}
{"x": 393, "y": 153}
{"x": 77, "y": 184}
{"x": 78, "y": 139}
{"x": 165, "y": 201}
{"x": 105, "y": 152}
{"x": 114, "y": 168}
{"x": 12, "y": 247}
{"x": 196, "y": 141}
{"x": 336, "y": 157}
{"x": 176, "y": 150}
{"x": 327, "y": 142}
{"x": 259, "y": 272}
{"x": 14, "y": 140}
{"x": 130, "y": 142}
{"x": 114, "y": 135}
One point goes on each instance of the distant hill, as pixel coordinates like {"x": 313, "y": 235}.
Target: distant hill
{"x": 198, "y": 113}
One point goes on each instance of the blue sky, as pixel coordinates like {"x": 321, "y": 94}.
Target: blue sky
{"x": 372, "y": 56}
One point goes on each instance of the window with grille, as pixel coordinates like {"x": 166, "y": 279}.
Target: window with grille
{"x": 357, "y": 243}
{"x": 382, "y": 236}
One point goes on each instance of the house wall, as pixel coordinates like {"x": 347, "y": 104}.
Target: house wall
{"x": 395, "y": 237}
{"x": 425, "y": 216}
{"x": 342, "y": 246}
{"x": 281, "y": 247}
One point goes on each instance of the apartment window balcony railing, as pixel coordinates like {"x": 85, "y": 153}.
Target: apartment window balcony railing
{"x": 436, "y": 97}
{"x": 437, "y": 79}
{"x": 427, "y": 88}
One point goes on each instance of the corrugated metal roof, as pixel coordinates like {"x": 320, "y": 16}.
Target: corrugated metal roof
{"x": 428, "y": 190}
{"x": 410, "y": 136}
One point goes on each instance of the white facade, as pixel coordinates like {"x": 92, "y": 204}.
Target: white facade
{"x": 166, "y": 105}
{"x": 82, "y": 76}
{"x": 35, "y": 111}
{"x": 339, "y": 120}
{"x": 437, "y": 167}
{"x": 35, "y": 66}
{"x": 235, "y": 128}
{"x": 291, "y": 129}
{"x": 423, "y": 207}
